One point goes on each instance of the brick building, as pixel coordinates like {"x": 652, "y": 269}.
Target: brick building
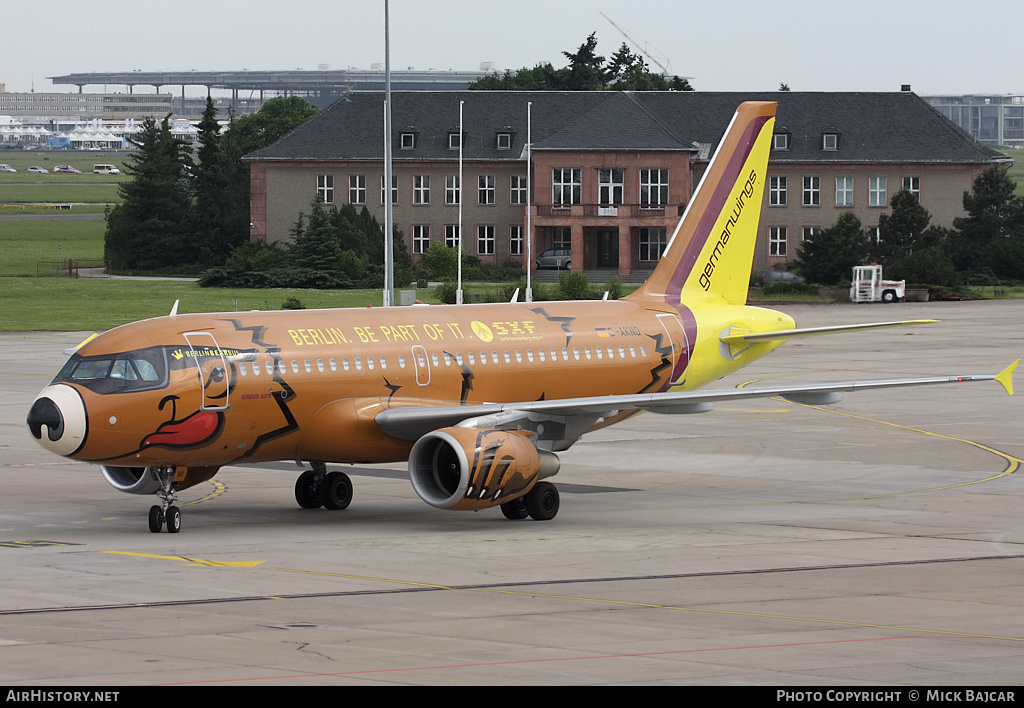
{"x": 610, "y": 172}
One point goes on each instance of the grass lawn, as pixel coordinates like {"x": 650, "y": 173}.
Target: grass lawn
{"x": 60, "y": 304}
{"x": 59, "y": 193}
{"x": 23, "y": 187}
{"x": 25, "y": 242}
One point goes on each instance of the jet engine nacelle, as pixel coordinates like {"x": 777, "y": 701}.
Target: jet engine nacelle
{"x": 466, "y": 469}
{"x": 143, "y": 480}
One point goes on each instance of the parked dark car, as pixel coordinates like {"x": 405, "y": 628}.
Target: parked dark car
{"x": 763, "y": 277}
{"x": 555, "y": 258}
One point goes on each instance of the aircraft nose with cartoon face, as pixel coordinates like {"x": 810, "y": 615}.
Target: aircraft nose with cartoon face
{"x": 57, "y": 419}
{"x": 133, "y": 409}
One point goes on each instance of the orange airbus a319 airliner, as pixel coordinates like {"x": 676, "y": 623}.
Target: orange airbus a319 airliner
{"x": 478, "y": 398}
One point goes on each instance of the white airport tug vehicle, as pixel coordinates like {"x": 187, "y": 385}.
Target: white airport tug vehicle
{"x": 868, "y": 286}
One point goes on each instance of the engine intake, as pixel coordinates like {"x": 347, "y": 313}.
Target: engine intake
{"x": 465, "y": 469}
{"x": 140, "y": 480}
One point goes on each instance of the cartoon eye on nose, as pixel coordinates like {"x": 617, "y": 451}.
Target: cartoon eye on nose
{"x": 60, "y": 410}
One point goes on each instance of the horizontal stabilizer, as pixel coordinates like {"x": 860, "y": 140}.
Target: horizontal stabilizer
{"x": 754, "y": 338}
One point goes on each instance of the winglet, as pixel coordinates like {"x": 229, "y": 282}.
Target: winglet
{"x": 174, "y": 309}
{"x": 1005, "y": 377}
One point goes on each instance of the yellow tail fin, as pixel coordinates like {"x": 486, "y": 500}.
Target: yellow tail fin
{"x": 711, "y": 251}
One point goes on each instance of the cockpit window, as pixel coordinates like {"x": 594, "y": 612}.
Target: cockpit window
{"x": 139, "y": 370}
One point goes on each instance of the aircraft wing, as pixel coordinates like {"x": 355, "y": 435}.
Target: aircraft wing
{"x": 574, "y": 416}
{"x": 741, "y": 338}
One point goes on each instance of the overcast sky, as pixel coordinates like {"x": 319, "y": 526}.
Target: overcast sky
{"x": 742, "y": 45}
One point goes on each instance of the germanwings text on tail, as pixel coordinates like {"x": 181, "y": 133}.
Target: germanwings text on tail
{"x": 478, "y": 398}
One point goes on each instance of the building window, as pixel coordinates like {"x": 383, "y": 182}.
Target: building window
{"x": 610, "y": 182}
{"x": 517, "y": 189}
{"x": 504, "y": 141}
{"x": 809, "y": 232}
{"x": 874, "y": 234}
{"x": 485, "y": 189}
{"x": 515, "y": 240}
{"x": 812, "y": 191}
{"x": 877, "y": 192}
{"x": 357, "y": 189}
{"x": 652, "y": 243}
{"x": 653, "y": 188}
{"x": 780, "y": 141}
{"x": 777, "y": 241}
{"x": 777, "y": 191}
{"x": 408, "y": 141}
{"x": 844, "y": 191}
{"x": 421, "y": 189}
{"x": 566, "y": 186}
{"x": 485, "y": 240}
{"x": 451, "y": 235}
{"x": 452, "y": 190}
{"x": 454, "y": 141}
{"x": 913, "y": 185}
{"x": 394, "y": 189}
{"x": 420, "y": 238}
{"x": 561, "y": 237}
{"x": 830, "y": 141}
{"x": 325, "y": 188}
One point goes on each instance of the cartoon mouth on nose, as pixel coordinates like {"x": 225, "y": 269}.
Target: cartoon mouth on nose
{"x": 197, "y": 428}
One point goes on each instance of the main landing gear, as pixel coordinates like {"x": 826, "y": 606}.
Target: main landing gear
{"x": 317, "y": 488}
{"x": 167, "y": 512}
{"x": 540, "y": 503}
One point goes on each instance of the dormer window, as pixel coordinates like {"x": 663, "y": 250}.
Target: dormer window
{"x": 454, "y": 141}
{"x": 780, "y": 141}
{"x": 830, "y": 141}
{"x": 504, "y": 141}
{"x": 407, "y": 140}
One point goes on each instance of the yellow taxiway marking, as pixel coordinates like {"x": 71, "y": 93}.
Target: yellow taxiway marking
{"x": 648, "y": 605}
{"x": 192, "y": 561}
{"x": 1013, "y": 464}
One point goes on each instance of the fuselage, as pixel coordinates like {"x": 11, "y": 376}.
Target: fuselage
{"x": 212, "y": 389}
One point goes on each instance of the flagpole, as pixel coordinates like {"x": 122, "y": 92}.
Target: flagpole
{"x": 389, "y": 217}
{"x": 458, "y": 289}
{"x": 529, "y": 202}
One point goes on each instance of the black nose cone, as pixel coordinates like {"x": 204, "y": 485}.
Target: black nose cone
{"x": 45, "y": 412}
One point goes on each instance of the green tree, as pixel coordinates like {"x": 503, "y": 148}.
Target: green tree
{"x": 586, "y": 68}
{"x": 152, "y": 228}
{"x": 211, "y": 208}
{"x": 994, "y": 214}
{"x": 275, "y": 118}
{"x": 830, "y": 256}
{"x": 904, "y": 230}
{"x": 440, "y": 262}
{"x": 586, "y": 71}
{"x": 270, "y": 123}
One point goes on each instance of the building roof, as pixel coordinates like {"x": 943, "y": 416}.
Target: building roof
{"x": 871, "y": 127}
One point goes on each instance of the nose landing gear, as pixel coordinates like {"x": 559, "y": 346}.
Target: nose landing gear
{"x": 167, "y": 513}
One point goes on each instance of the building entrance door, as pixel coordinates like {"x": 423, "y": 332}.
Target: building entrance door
{"x": 608, "y": 248}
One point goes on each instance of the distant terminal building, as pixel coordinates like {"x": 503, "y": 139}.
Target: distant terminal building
{"x": 991, "y": 120}
{"x": 249, "y": 89}
{"x": 84, "y": 106}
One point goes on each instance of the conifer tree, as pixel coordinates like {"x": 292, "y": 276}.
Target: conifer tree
{"x": 151, "y": 228}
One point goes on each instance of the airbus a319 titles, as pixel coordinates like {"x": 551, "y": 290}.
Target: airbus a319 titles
{"x": 480, "y": 399}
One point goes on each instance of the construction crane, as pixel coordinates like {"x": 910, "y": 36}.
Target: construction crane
{"x": 664, "y": 67}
